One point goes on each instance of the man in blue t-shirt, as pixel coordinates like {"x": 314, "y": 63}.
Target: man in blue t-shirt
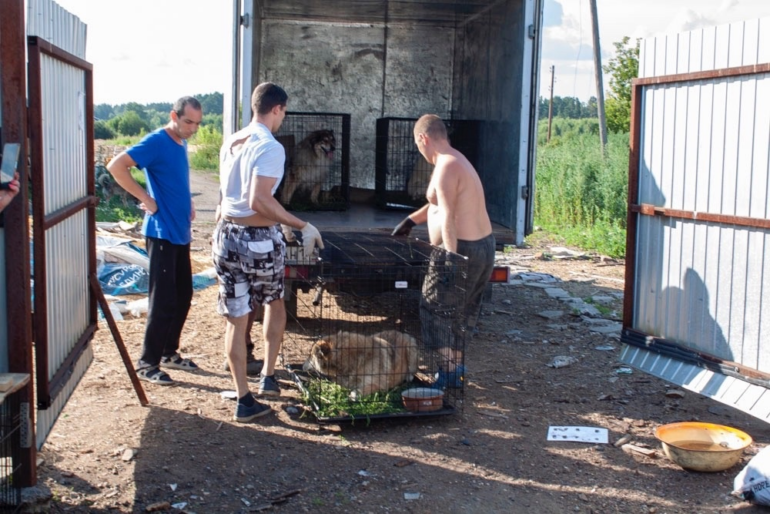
{"x": 169, "y": 212}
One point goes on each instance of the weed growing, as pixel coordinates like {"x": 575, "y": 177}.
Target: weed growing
{"x": 581, "y": 195}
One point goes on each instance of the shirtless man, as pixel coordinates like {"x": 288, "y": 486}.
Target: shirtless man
{"x": 457, "y": 221}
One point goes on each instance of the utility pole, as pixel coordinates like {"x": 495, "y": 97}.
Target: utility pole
{"x": 550, "y": 105}
{"x": 598, "y": 75}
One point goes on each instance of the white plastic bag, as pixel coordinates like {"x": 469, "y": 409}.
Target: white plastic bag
{"x": 753, "y": 482}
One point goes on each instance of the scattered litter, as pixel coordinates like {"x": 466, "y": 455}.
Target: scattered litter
{"x": 138, "y": 307}
{"x": 562, "y": 361}
{"x": 579, "y": 434}
{"x": 605, "y": 348}
{"x": 493, "y": 414}
{"x": 172, "y": 486}
{"x": 180, "y": 505}
{"x": 624, "y": 371}
{"x": 647, "y": 452}
{"x": 229, "y": 395}
{"x": 623, "y": 440}
{"x": 363, "y": 473}
{"x": 674, "y": 393}
{"x": 753, "y": 482}
{"x": 157, "y": 507}
{"x": 114, "y": 310}
{"x": 560, "y": 252}
{"x": 411, "y": 496}
{"x": 246, "y": 502}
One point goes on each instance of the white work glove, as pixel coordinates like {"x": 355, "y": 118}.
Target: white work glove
{"x": 288, "y": 234}
{"x": 310, "y": 239}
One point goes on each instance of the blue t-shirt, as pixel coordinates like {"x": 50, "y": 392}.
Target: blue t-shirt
{"x": 168, "y": 181}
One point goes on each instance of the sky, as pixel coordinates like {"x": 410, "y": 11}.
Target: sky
{"x": 158, "y": 50}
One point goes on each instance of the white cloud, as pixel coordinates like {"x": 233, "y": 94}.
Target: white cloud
{"x": 617, "y": 19}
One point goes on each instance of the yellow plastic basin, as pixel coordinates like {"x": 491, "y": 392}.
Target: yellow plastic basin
{"x": 702, "y": 446}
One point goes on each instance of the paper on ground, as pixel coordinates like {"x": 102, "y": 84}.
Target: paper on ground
{"x": 579, "y": 434}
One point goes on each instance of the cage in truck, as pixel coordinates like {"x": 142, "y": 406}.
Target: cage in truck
{"x": 364, "y": 72}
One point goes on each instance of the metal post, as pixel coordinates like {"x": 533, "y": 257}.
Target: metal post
{"x": 598, "y": 75}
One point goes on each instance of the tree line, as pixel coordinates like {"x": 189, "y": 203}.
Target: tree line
{"x": 132, "y": 118}
{"x": 622, "y": 68}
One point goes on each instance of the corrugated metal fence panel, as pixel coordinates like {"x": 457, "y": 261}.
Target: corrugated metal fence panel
{"x": 67, "y": 287}
{"x": 48, "y": 20}
{"x": 725, "y": 46}
{"x": 64, "y": 126}
{"x": 46, "y": 418}
{"x": 704, "y": 149}
{"x": 63, "y": 91}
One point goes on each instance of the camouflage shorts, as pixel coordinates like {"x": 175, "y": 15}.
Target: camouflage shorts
{"x": 250, "y": 266}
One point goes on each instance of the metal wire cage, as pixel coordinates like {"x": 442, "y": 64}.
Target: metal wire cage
{"x": 317, "y": 170}
{"x": 10, "y": 457}
{"x": 401, "y": 173}
{"x": 370, "y": 332}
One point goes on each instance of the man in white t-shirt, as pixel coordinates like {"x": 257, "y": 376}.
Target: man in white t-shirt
{"x": 248, "y": 247}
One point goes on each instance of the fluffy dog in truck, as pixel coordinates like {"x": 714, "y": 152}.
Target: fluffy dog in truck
{"x": 310, "y": 165}
{"x": 365, "y": 364}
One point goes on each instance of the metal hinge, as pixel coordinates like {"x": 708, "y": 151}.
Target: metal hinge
{"x": 245, "y": 20}
{"x": 525, "y": 192}
{"x": 531, "y": 32}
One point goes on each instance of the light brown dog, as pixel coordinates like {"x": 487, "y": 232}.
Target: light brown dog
{"x": 365, "y": 364}
{"x": 310, "y": 165}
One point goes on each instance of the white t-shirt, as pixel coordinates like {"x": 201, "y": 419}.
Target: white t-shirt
{"x": 239, "y": 162}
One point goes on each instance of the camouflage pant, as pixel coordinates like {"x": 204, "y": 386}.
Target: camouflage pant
{"x": 250, "y": 266}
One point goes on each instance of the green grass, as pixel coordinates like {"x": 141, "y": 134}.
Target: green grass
{"x": 333, "y": 401}
{"x": 124, "y": 140}
{"x": 580, "y": 195}
{"x": 207, "y": 142}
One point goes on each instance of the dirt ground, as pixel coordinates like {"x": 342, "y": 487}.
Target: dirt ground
{"x": 107, "y": 453}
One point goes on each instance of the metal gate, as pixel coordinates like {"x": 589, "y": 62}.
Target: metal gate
{"x": 61, "y": 147}
{"x": 698, "y": 251}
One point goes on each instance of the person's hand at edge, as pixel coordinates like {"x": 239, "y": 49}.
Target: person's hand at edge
{"x": 404, "y": 228}
{"x": 311, "y": 238}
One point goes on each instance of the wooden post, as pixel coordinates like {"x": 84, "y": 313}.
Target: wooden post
{"x": 598, "y": 75}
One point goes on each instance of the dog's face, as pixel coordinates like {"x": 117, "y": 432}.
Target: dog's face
{"x": 323, "y": 143}
{"x": 320, "y": 358}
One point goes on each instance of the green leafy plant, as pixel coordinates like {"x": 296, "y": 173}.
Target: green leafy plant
{"x": 623, "y": 68}
{"x": 333, "y": 401}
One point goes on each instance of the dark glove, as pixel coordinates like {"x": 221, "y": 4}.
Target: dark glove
{"x": 403, "y": 228}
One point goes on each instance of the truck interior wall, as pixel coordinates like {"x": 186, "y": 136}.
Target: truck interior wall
{"x": 488, "y": 86}
{"x": 367, "y": 70}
